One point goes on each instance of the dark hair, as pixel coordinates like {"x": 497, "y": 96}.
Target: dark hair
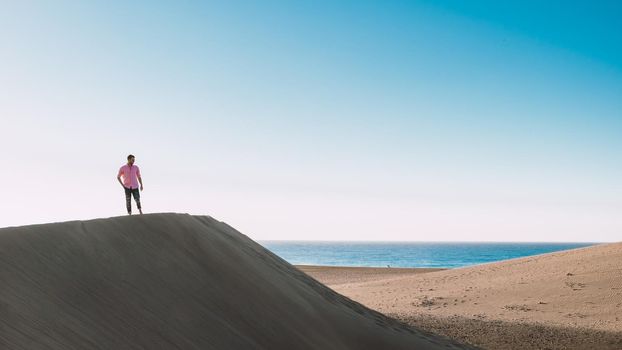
{"x": 130, "y": 156}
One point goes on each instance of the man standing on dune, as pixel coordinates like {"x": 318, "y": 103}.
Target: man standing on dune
{"x": 130, "y": 173}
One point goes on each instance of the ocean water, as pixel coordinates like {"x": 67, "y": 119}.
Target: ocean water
{"x": 407, "y": 254}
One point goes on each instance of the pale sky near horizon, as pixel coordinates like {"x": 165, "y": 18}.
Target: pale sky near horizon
{"x": 319, "y": 120}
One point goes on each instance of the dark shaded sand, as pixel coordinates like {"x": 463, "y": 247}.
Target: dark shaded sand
{"x": 510, "y": 335}
{"x": 174, "y": 281}
{"x": 570, "y": 299}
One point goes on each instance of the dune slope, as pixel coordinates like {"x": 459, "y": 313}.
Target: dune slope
{"x": 173, "y": 281}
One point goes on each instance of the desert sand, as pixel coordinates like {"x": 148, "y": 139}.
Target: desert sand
{"x": 174, "y": 281}
{"x": 563, "y": 300}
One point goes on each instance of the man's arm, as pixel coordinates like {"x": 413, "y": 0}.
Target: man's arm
{"x": 119, "y": 176}
{"x": 140, "y": 179}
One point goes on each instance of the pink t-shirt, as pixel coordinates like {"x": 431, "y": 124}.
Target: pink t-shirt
{"x": 130, "y": 174}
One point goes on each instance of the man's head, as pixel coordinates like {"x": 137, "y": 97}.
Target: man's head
{"x": 130, "y": 159}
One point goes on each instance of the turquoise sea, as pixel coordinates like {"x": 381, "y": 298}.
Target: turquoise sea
{"x": 407, "y": 254}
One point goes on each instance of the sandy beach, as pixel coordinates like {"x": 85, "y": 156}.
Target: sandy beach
{"x": 564, "y": 300}
{"x": 172, "y": 280}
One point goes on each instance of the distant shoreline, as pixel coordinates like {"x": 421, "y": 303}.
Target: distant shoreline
{"x": 336, "y": 275}
{"x": 370, "y": 268}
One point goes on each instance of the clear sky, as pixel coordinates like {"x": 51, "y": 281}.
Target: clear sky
{"x": 327, "y": 120}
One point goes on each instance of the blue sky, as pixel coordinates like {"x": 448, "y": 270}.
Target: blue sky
{"x": 371, "y": 120}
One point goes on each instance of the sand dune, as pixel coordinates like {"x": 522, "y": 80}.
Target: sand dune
{"x": 569, "y": 299}
{"x": 173, "y": 281}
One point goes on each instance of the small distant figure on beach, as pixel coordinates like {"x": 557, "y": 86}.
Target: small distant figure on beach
{"x": 131, "y": 178}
